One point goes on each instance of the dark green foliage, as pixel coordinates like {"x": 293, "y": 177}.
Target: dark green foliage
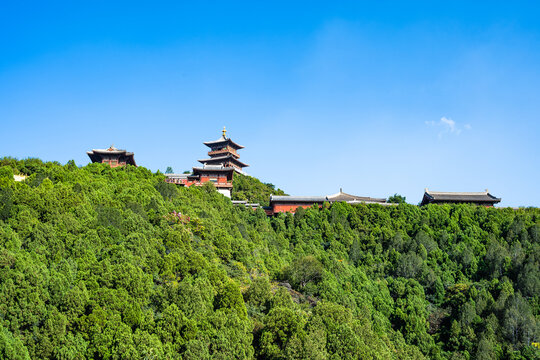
{"x": 101, "y": 263}
{"x": 397, "y": 199}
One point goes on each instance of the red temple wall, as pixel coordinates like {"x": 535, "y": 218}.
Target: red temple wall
{"x": 113, "y": 163}
{"x": 289, "y": 207}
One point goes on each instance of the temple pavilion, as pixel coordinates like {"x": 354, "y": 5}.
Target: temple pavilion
{"x": 219, "y": 168}
{"x": 112, "y": 156}
{"x": 483, "y": 198}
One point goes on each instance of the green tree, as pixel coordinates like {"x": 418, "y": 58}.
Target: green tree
{"x": 305, "y": 270}
{"x": 397, "y": 199}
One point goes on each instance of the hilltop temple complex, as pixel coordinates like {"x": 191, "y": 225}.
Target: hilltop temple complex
{"x": 112, "y": 156}
{"x": 223, "y": 161}
{"x": 218, "y": 169}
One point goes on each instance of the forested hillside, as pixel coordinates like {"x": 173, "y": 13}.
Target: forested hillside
{"x": 101, "y": 263}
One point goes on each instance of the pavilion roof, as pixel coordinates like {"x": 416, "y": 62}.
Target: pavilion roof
{"x": 341, "y": 196}
{"x": 110, "y": 150}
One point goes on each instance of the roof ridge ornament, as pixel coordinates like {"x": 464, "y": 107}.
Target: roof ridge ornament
{"x": 224, "y": 131}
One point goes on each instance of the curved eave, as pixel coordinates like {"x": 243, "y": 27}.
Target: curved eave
{"x": 223, "y": 141}
{"x": 223, "y": 159}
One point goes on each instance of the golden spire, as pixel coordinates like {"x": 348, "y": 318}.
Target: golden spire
{"x": 224, "y": 132}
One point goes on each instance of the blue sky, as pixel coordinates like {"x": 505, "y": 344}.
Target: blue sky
{"x": 374, "y": 97}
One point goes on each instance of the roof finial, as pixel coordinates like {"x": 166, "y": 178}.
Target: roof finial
{"x": 224, "y": 132}
{"x": 341, "y": 190}
{"x": 111, "y": 148}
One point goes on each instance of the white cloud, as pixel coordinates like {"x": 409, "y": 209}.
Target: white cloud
{"x": 447, "y": 126}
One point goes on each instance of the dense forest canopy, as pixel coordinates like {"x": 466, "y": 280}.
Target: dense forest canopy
{"x": 101, "y": 263}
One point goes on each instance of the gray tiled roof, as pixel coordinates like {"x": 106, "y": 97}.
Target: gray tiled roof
{"x": 300, "y": 199}
{"x": 223, "y": 139}
{"x": 341, "y": 196}
{"x": 474, "y": 197}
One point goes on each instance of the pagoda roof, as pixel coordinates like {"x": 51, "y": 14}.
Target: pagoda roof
{"x": 473, "y": 197}
{"x": 222, "y": 159}
{"x": 223, "y": 140}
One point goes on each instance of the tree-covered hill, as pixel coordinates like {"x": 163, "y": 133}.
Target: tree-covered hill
{"x": 101, "y": 263}
{"x": 253, "y": 190}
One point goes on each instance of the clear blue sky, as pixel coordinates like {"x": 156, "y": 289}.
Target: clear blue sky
{"x": 374, "y": 97}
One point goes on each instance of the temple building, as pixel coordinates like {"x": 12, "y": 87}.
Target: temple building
{"x": 477, "y": 198}
{"x": 219, "y": 168}
{"x": 112, "y": 156}
{"x": 291, "y": 203}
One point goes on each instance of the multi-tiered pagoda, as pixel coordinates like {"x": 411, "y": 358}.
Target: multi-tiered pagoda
{"x": 218, "y": 169}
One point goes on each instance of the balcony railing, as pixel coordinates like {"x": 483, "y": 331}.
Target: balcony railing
{"x": 223, "y": 151}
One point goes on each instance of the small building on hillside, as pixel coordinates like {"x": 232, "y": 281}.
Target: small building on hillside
{"x": 112, "y": 156}
{"x": 218, "y": 169}
{"x": 19, "y": 178}
{"x": 439, "y": 197}
{"x": 291, "y": 203}
{"x": 253, "y": 206}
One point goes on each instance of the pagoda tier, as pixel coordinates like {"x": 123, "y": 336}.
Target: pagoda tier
{"x": 227, "y": 161}
{"x": 223, "y": 142}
